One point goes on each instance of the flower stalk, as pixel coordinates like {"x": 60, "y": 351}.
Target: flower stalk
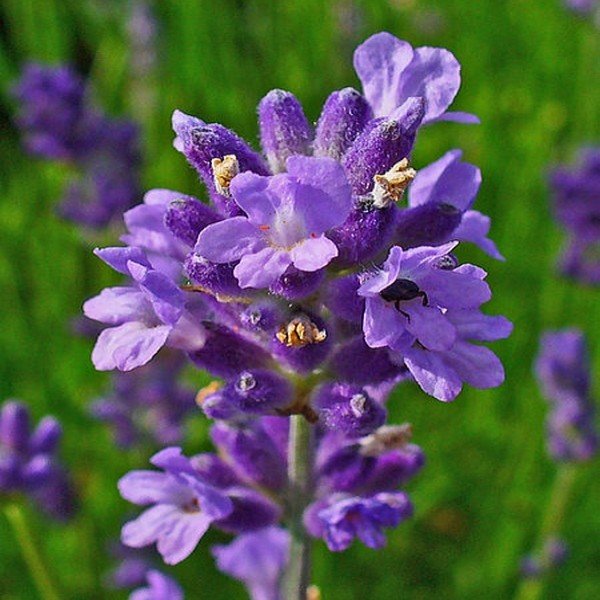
{"x": 297, "y": 577}
{"x": 562, "y": 493}
{"x": 31, "y": 554}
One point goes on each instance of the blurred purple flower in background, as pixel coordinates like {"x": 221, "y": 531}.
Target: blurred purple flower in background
{"x": 563, "y": 371}
{"x": 29, "y": 463}
{"x": 59, "y": 122}
{"x": 576, "y": 203}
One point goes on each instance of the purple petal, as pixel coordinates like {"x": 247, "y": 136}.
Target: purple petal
{"x": 474, "y": 228}
{"x": 118, "y": 257}
{"x": 474, "y": 325}
{"x": 128, "y": 346}
{"x": 152, "y": 487}
{"x": 452, "y": 289}
{"x": 182, "y": 125}
{"x": 433, "y": 375}
{"x": 327, "y": 175}
{"x": 251, "y": 193}
{"x": 147, "y": 528}
{"x": 180, "y": 536}
{"x": 160, "y": 196}
{"x": 166, "y": 298}
{"x": 434, "y": 73}
{"x": 383, "y": 324}
{"x": 476, "y": 365}
{"x": 458, "y": 117}
{"x": 262, "y": 269}
{"x": 116, "y": 305}
{"x": 446, "y": 181}
{"x": 313, "y": 254}
{"x": 429, "y": 326}
{"x": 229, "y": 240}
{"x": 379, "y": 63}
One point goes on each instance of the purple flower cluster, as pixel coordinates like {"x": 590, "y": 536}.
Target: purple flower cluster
{"x": 576, "y": 195}
{"x": 563, "y": 371}
{"x": 29, "y": 464}
{"x": 59, "y": 122}
{"x": 310, "y": 292}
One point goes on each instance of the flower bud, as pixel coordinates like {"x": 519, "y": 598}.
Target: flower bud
{"x": 251, "y": 453}
{"x": 46, "y": 436}
{"x": 225, "y": 353}
{"x": 284, "y": 130}
{"x": 201, "y": 143}
{"x": 348, "y": 409}
{"x": 251, "y": 510}
{"x": 186, "y": 218}
{"x": 382, "y": 144}
{"x": 366, "y": 232}
{"x": 14, "y": 425}
{"x": 216, "y": 278}
{"x": 344, "y": 116}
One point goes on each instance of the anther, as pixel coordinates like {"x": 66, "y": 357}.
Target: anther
{"x": 224, "y": 170}
{"x": 209, "y": 390}
{"x": 386, "y": 438}
{"x": 300, "y": 331}
{"x": 390, "y": 186}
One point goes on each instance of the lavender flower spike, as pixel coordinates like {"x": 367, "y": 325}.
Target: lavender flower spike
{"x": 391, "y": 71}
{"x": 184, "y": 506}
{"x": 563, "y": 370}
{"x": 287, "y": 217}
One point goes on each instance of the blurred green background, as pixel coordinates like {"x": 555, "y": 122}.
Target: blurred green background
{"x": 530, "y": 71}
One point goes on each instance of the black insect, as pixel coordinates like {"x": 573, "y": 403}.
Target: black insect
{"x": 402, "y": 290}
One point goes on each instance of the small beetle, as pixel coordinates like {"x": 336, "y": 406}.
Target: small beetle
{"x": 402, "y": 290}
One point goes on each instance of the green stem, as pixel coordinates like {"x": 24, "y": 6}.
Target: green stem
{"x": 531, "y": 589}
{"x": 299, "y": 487}
{"x": 31, "y": 554}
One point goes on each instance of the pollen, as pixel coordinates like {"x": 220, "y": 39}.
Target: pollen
{"x": 386, "y": 438}
{"x": 390, "y": 186}
{"x": 300, "y": 331}
{"x": 205, "y": 392}
{"x": 224, "y": 170}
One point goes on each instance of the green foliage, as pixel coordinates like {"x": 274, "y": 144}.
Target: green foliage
{"x": 530, "y": 71}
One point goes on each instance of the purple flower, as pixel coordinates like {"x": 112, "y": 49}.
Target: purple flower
{"x": 258, "y": 560}
{"x": 29, "y": 462}
{"x": 363, "y": 518}
{"x": 563, "y": 371}
{"x": 52, "y": 109}
{"x": 391, "y": 71}
{"x": 59, "y": 122}
{"x": 160, "y": 587}
{"x": 183, "y": 506}
{"x": 145, "y": 316}
{"x": 287, "y": 217}
{"x": 576, "y": 198}
{"x": 441, "y": 373}
{"x": 563, "y": 365}
{"x": 407, "y": 298}
{"x": 451, "y": 186}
